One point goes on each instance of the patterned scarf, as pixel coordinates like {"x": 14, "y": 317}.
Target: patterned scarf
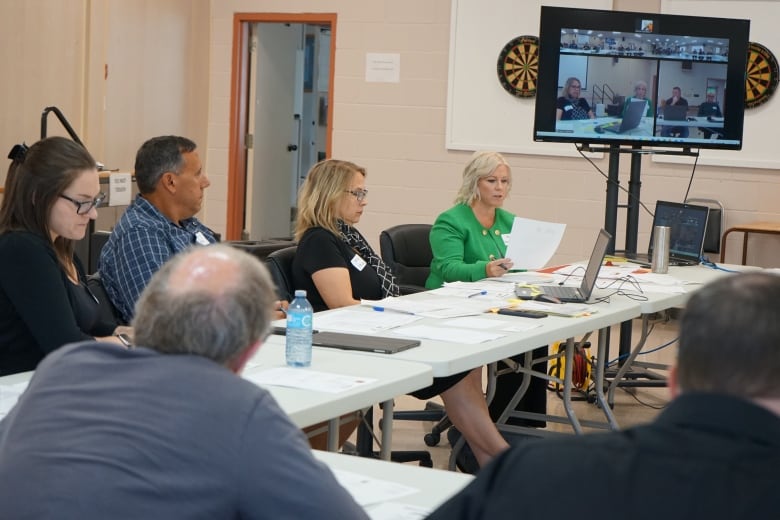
{"x": 578, "y": 112}
{"x": 355, "y": 240}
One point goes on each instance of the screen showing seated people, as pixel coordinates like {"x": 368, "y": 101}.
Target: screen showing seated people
{"x": 638, "y": 78}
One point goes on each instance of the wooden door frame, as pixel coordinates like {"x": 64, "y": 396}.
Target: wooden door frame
{"x": 239, "y": 105}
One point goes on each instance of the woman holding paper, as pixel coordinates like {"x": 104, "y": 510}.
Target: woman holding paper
{"x": 337, "y": 267}
{"x": 469, "y": 242}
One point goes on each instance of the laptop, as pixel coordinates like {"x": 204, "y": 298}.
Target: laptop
{"x": 675, "y": 112}
{"x": 359, "y": 342}
{"x": 582, "y": 293}
{"x": 631, "y": 119}
{"x": 688, "y": 225}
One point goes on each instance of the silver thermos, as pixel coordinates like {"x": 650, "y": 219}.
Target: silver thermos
{"x": 660, "y": 260}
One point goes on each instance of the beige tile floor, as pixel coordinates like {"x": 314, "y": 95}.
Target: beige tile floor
{"x": 632, "y": 406}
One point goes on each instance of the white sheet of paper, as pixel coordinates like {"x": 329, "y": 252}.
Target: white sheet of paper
{"x": 439, "y": 307}
{"x": 368, "y": 490}
{"x": 533, "y": 242}
{"x": 397, "y": 511}
{"x": 530, "y": 278}
{"x": 453, "y": 335}
{"x": 473, "y": 323}
{"x": 9, "y": 394}
{"x": 307, "y": 379}
{"x": 357, "y": 322}
{"x": 383, "y": 67}
{"x": 120, "y": 187}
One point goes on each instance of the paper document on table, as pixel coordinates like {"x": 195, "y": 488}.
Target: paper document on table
{"x": 361, "y": 322}
{"x": 529, "y": 277}
{"x": 569, "y": 310}
{"x": 439, "y": 307}
{"x": 486, "y": 288}
{"x": 473, "y": 323}
{"x": 450, "y": 334}
{"x": 398, "y": 511}
{"x": 306, "y": 379}
{"x": 533, "y": 242}
{"x": 484, "y": 323}
{"x": 368, "y": 490}
{"x": 405, "y": 305}
{"x": 9, "y": 394}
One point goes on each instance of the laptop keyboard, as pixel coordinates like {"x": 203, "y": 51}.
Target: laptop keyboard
{"x": 561, "y": 291}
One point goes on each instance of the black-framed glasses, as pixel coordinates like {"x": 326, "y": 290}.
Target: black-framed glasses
{"x": 360, "y": 195}
{"x": 84, "y": 207}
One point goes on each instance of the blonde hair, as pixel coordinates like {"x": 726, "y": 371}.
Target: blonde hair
{"x": 325, "y": 185}
{"x": 567, "y": 86}
{"x": 481, "y": 164}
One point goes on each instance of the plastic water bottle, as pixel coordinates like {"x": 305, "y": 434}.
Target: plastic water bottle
{"x": 299, "y": 327}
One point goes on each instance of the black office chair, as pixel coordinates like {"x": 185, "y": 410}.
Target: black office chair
{"x": 96, "y": 242}
{"x": 279, "y": 263}
{"x": 261, "y": 248}
{"x": 108, "y": 315}
{"x": 406, "y": 250}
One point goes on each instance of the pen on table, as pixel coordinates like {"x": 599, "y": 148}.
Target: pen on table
{"x": 480, "y": 293}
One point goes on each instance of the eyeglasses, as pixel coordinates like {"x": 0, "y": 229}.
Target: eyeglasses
{"x": 360, "y": 195}
{"x": 82, "y": 208}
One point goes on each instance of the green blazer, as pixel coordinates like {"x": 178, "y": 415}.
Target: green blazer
{"x": 462, "y": 247}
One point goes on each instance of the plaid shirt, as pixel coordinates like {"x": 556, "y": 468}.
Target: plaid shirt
{"x": 139, "y": 245}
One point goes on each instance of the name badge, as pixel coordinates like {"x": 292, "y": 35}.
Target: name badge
{"x": 358, "y": 262}
{"x": 506, "y": 239}
{"x": 567, "y": 108}
{"x": 201, "y": 239}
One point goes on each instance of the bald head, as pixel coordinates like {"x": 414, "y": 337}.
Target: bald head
{"x": 214, "y": 270}
{"x": 212, "y": 301}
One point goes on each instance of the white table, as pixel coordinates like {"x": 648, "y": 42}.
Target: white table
{"x": 305, "y": 407}
{"x": 694, "y": 278}
{"x": 434, "y": 486}
{"x": 447, "y": 358}
{"x": 392, "y": 377}
{"x": 699, "y": 122}
{"x": 587, "y": 128}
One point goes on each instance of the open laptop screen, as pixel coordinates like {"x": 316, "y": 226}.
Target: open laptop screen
{"x": 688, "y": 224}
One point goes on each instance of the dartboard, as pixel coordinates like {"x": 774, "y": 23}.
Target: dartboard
{"x": 762, "y": 75}
{"x": 518, "y": 66}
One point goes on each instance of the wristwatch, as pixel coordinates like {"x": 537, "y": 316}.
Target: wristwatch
{"x": 125, "y": 339}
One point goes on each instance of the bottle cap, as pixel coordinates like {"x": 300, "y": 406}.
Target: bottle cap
{"x": 300, "y": 292}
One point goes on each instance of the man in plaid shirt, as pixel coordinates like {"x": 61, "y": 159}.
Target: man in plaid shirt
{"x": 159, "y": 223}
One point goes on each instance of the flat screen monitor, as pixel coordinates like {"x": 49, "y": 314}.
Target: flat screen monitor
{"x": 596, "y": 67}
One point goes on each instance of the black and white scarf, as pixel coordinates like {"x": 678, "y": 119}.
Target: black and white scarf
{"x": 355, "y": 240}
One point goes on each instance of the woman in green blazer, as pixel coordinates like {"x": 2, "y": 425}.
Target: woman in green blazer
{"x": 469, "y": 242}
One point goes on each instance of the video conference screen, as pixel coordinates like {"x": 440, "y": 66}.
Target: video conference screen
{"x": 639, "y": 78}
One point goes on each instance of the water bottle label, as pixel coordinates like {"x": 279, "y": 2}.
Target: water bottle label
{"x": 295, "y": 319}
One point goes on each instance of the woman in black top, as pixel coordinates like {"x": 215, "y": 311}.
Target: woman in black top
{"x": 337, "y": 267}
{"x": 570, "y": 105}
{"x": 51, "y": 192}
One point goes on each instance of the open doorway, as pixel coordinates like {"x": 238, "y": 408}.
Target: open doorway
{"x": 281, "y": 117}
